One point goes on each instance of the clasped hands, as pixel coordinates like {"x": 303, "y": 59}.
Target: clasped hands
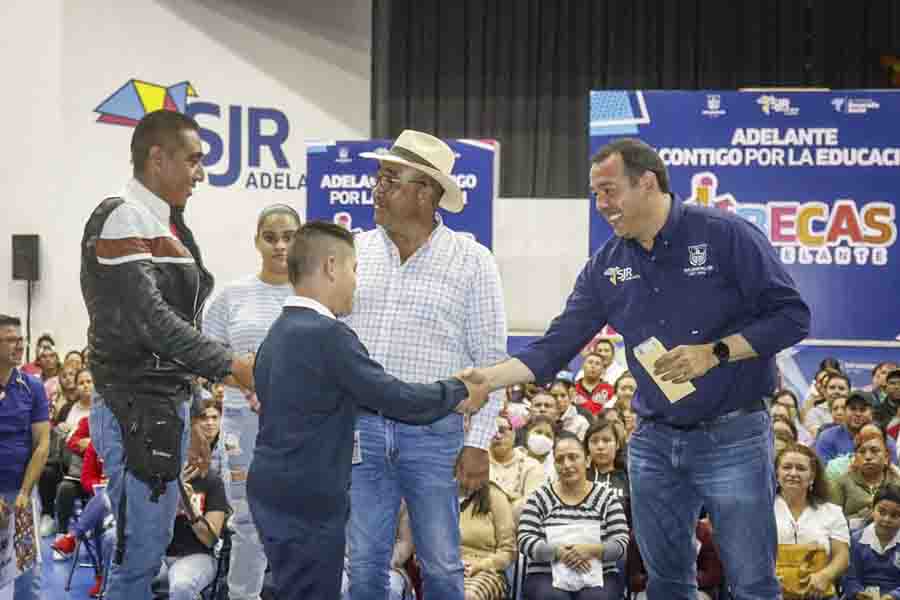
{"x": 242, "y": 377}
{"x": 477, "y": 385}
{"x": 575, "y": 556}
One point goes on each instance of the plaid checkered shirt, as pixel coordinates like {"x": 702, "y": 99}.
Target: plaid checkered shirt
{"x": 432, "y": 316}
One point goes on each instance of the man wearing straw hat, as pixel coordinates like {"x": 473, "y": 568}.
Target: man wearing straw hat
{"x": 428, "y": 303}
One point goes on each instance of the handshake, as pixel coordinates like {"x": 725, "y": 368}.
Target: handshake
{"x": 242, "y": 377}
{"x": 477, "y": 385}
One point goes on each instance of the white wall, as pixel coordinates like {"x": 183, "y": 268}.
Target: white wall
{"x": 310, "y": 60}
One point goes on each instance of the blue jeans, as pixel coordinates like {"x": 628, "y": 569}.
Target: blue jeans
{"x": 27, "y": 586}
{"x": 416, "y": 463}
{"x": 188, "y": 575}
{"x": 727, "y": 468}
{"x": 148, "y": 525}
{"x": 248, "y": 559}
{"x": 93, "y": 515}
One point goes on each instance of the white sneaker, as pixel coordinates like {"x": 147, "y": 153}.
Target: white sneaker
{"x": 48, "y": 526}
{"x": 59, "y": 556}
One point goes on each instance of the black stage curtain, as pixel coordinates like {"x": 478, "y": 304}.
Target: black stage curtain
{"x": 520, "y": 70}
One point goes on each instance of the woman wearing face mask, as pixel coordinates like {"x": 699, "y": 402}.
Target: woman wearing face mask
{"x": 240, "y": 316}
{"x": 869, "y": 470}
{"x": 539, "y": 436}
{"x": 597, "y": 534}
{"x": 512, "y": 470}
{"x": 813, "y": 539}
{"x": 602, "y": 445}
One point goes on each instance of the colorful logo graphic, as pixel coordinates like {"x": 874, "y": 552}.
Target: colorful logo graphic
{"x": 843, "y": 233}
{"x": 128, "y": 104}
{"x": 228, "y": 158}
{"x": 773, "y": 104}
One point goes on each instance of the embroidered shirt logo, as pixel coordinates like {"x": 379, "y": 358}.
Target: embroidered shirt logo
{"x": 619, "y": 275}
{"x": 697, "y": 257}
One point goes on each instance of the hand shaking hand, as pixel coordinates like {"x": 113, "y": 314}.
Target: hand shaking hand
{"x": 477, "y": 386}
{"x": 242, "y": 371}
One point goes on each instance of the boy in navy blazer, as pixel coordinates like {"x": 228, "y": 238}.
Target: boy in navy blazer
{"x": 311, "y": 374}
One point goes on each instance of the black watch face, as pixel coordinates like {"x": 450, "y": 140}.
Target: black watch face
{"x": 721, "y": 351}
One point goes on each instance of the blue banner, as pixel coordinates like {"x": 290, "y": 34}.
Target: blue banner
{"x": 816, "y": 171}
{"x": 339, "y": 184}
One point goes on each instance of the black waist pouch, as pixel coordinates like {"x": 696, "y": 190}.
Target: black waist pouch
{"x": 151, "y": 434}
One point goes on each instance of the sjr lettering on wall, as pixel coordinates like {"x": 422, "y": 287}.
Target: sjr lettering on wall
{"x": 267, "y": 129}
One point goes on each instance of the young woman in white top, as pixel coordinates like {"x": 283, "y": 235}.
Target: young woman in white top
{"x": 240, "y": 316}
{"x": 805, "y": 517}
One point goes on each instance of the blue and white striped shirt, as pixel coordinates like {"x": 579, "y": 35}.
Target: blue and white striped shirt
{"x": 240, "y": 316}
{"x": 433, "y": 315}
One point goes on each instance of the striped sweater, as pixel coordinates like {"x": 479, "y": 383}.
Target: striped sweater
{"x": 545, "y": 509}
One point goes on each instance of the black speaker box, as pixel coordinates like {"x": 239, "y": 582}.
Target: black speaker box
{"x": 25, "y": 257}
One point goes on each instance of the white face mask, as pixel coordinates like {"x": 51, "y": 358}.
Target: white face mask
{"x": 539, "y": 444}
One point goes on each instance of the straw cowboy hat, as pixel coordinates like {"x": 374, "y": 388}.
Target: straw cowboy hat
{"x": 429, "y": 155}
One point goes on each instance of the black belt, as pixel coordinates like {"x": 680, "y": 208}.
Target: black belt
{"x": 706, "y": 423}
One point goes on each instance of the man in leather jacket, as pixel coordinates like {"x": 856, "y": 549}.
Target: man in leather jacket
{"x": 144, "y": 285}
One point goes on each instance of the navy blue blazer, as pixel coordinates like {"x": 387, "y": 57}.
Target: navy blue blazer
{"x": 311, "y": 374}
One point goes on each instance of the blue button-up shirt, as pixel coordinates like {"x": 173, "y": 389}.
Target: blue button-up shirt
{"x": 24, "y": 403}
{"x": 709, "y": 274}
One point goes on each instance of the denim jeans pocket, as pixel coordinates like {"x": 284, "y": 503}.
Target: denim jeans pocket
{"x": 740, "y": 430}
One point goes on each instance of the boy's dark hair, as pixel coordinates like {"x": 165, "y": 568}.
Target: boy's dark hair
{"x": 306, "y": 252}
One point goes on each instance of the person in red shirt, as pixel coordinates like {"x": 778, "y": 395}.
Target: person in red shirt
{"x": 591, "y": 391}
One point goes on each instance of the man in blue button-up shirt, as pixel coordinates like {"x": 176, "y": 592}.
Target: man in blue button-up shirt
{"x": 24, "y": 443}
{"x": 708, "y": 285}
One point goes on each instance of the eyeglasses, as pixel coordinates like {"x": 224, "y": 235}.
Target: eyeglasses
{"x": 14, "y": 341}
{"x": 388, "y": 182}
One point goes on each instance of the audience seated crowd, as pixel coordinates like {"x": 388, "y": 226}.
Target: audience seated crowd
{"x": 558, "y": 486}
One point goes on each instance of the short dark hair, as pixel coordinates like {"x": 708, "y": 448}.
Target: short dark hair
{"x": 158, "y": 128}
{"x": 46, "y": 337}
{"x": 895, "y": 374}
{"x": 638, "y": 158}
{"x": 887, "y": 491}
{"x": 276, "y": 209}
{"x": 10, "y": 321}
{"x": 306, "y": 251}
{"x": 71, "y": 352}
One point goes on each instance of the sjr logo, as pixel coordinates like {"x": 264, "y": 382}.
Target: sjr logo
{"x": 266, "y": 128}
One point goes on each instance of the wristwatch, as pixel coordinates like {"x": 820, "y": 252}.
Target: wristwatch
{"x": 722, "y": 352}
